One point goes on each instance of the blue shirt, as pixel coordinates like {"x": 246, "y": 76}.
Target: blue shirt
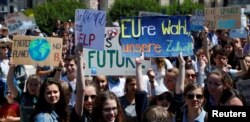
{"x": 199, "y": 118}
{"x": 46, "y": 117}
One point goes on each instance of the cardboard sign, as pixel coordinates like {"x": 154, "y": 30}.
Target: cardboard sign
{"x": 197, "y": 20}
{"x": 223, "y": 18}
{"x": 90, "y": 28}
{"x": 157, "y": 36}
{"x": 243, "y": 86}
{"x": 110, "y": 60}
{"x": 31, "y": 50}
{"x": 18, "y": 21}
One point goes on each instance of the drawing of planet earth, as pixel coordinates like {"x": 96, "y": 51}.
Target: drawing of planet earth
{"x": 39, "y": 49}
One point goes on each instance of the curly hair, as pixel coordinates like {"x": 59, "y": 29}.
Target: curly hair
{"x": 96, "y": 115}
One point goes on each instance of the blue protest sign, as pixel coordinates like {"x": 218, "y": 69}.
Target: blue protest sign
{"x": 197, "y": 20}
{"x": 158, "y": 36}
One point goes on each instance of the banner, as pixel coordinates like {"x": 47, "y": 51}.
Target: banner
{"x": 223, "y": 18}
{"x": 18, "y": 21}
{"x": 238, "y": 33}
{"x": 110, "y": 60}
{"x": 243, "y": 86}
{"x": 147, "y": 13}
{"x": 32, "y": 50}
{"x": 197, "y": 20}
{"x": 157, "y": 36}
{"x": 90, "y": 28}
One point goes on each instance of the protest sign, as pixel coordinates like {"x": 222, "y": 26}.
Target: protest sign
{"x": 147, "y": 13}
{"x": 31, "y": 50}
{"x": 18, "y": 21}
{"x": 90, "y": 28}
{"x": 223, "y": 18}
{"x": 238, "y": 33}
{"x": 110, "y": 60}
{"x": 157, "y": 36}
{"x": 197, "y": 20}
{"x": 243, "y": 86}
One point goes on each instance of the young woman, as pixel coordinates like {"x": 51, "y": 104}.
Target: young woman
{"x": 194, "y": 99}
{"x": 28, "y": 99}
{"x": 52, "y": 104}
{"x": 128, "y": 100}
{"x": 217, "y": 81}
{"x": 107, "y": 108}
{"x": 101, "y": 82}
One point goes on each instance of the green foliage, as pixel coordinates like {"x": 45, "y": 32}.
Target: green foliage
{"x": 47, "y": 13}
{"x": 129, "y": 8}
{"x": 186, "y": 8}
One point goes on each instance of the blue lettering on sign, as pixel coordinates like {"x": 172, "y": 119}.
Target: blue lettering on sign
{"x": 226, "y": 24}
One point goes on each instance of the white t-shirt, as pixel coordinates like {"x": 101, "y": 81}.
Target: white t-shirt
{"x": 118, "y": 88}
{"x": 73, "y": 86}
{"x": 4, "y": 67}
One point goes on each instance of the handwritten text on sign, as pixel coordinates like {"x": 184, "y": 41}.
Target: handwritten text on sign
{"x": 158, "y": 36}
{"x": 31, "y": 50}
{"x": 223, "y": 18}
{"x": 90, "y": 28}
{"x": 110, "y": 60}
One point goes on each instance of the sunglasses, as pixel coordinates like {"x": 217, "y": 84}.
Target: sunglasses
{"x": 167, "y": 97}
{"x": 91, "y": 96}
{"x": 191, "y": 96}
{"x": 190, "y": 75}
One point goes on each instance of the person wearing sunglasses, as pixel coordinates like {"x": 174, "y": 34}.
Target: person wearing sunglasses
{"x": 85, "y": 92}
{"x": 193, "y": 111}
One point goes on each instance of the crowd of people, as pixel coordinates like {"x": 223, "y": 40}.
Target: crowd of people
{"x": 175, "y": 89}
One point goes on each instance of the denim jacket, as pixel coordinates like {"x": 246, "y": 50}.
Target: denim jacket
{"x": 46, "y": 117}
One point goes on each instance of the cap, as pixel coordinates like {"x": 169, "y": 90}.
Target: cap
{"x": 160, "y": 89}
{"x": 37, "y": 30}
{"x": 5, "y": 42}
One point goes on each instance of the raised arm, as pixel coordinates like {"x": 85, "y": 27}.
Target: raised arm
{"x": 179, "y": 85}
{"x": 59, "y": 70}
{"x": 80, "y": 82}
{"x": 139, "y": 77}
{"x": 10, "y": 79}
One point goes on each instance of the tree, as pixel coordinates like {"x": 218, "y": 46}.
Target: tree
{"x": 185, "y": 8}
{"x": 47, "y": 13}
{"x": 129, "y": 8}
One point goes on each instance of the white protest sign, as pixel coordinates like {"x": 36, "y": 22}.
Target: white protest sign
{"x": 90, "y": 28}
{"x": 18, "y": 21}
{"x": 110, "y": 60}
{"x": 243, "y": 86}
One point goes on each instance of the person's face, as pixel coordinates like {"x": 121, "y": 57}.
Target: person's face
{"x": 101, "y": 82}
{"x": 70, "y": 67}
{"x": 89, "y": 98}
{"x": 131, "y": 86}
{"x": 194, "y": 99}
{"x": 235, "y": 101}
{"x": 228, "y": 48}
{"x": 33, "y": 86}
{"x": 52, "y": 94}
{"x": 220, "y": 60}
{"x": 214, "y": 85}
{"x": 163, "y": 100}
{"x": 3, "y": 50}
{"x": 190, "y": 76}
{"x": 169, "y": 81}
{"x": 109, "y": 111}
{"x": 247, "y": 60}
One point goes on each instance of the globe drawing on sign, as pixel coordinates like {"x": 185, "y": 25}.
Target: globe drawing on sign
{"x": 39, "y": 49}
